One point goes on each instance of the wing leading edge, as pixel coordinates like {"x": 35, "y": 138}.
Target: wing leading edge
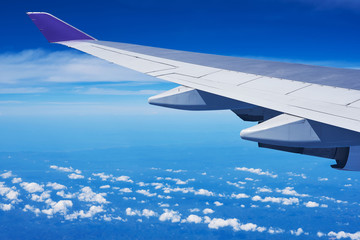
{"x": 331, "y": 114}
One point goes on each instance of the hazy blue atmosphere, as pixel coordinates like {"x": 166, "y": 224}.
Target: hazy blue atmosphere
{"x": 84, "y": 156}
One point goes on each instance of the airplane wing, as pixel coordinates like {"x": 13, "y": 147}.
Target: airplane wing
{"x": 300, "y": 108}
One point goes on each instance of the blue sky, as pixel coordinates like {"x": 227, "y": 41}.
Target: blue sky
{"x": 43, "y": 81}
{"x": 71, "y": 119}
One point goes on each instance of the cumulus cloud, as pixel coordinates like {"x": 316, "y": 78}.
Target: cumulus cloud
{"x": 218, "y": 204}
{"x": 87, "y": 195}
{"x": 32, "y": 187}
{"x": 7, "y": 174}
{"x": 239, "y": 195}
{"x": 298, "y": 232}
{"x": 170, "y": 215}
{"x": 291, "y": 191}
{"x": 204, "y": 192}
{"x": 65, "y": 169}
{"x": 257, "y": 171}
{"x": 264, "y": 189}
{"x": 16, "y": 180}
{"x": 208, "y": 211}
{"x": 55, "y": 186}
{"x": 311, "y": 204}
{"x": 123, "y": 179}
{"x": 273, "y": 230}
{"x": 217, "y": 223}
{"x": 148, "y": 213}
{"x": 193, "y": 219}
{"x": 343, "y": 234}
{"x": 9, "y": 193}
{"x": 284, "y": 201}
{"x": 125, "y": 190}
{"x": 236, "y": 184}
{"x": 40, "y": 198}
{"x": 5, "y": 207}
{"x": 146, "y": 193}
{"x": 61, "y": 207}
{"x": 93, "y": 210}
{"x": 104, "y": 186}
{"x": 32, "y": 209}
{"x": 75, "y": 176}
{"x": 65, "y": 195}
{"x": 145, "y": 213}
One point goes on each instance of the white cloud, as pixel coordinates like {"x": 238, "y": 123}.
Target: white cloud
{"x": 62, "y": 66}
{"x": 320, "y": 234}
{"x": 9, "y": 193}
{"x": 93, "y": 210}
{"x": 218, "y": 204}
{"x": 193, "y": 219}
{"x": 131, "y": 212}
{"x": 208, "y": 211}
{"x": 297, "y": 175}
{"x": 284, "y": 201}
{"x": 145, "y": 213}
{"x": 204, "y": 192}
{"x": 87, "y": 195}
{"x": 75, "y": 176}
{"x": 175, "y": 171}
{"x": 240, "y": 195}
{"x": 275, "y": 230}
{"x": 323, "y": 179}
{"x": 32, "y": 187}
{"x": 291, "y": 191}
{"x": 343, "y": 234}
{"x": 16, "y": 180}
{"x": 148, "y": 213}
{"x": 55, "y": 186}
{"x": 236, "y": 184}
{"x": 264, "y": 189}
{"x": 103, "y": 176}
{"x": 40, "y": 198}
{"x": 5, "y": 207}
{"x": 61, "y": 206}
{"x": 146, "y": 193}
{"x": 123, "y": 179}
{"x": 104, "y": 186}
{"x": 7, "y": 174}
{"x": 125, "y": 190}
{"x": 217, "y": 223}
{"x": 194, "y": 210}
{"x": 170, "y": 215}
{"x": 65, "y": 195}
{"x": 311, "y": 204}
{"x": 62, "y": 169}
{"x": 257, "y": 171}
{"x": 298, "y": 232}
{"x": 31, "y": 209}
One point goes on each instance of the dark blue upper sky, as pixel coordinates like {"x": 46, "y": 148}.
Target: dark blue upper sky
{"x": 299, "y": 30}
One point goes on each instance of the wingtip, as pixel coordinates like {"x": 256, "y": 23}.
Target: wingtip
{"x": 56, "y": 30}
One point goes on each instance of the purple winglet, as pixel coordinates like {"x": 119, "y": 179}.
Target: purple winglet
{"x": 56, "y": 30}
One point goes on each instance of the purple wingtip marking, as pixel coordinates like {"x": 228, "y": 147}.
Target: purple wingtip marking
{"x": 56, "y": 30}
